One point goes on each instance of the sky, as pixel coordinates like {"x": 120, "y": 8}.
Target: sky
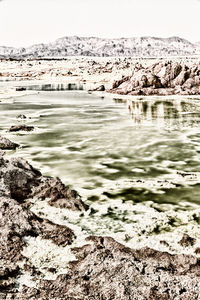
{"x": 27, "y": 22}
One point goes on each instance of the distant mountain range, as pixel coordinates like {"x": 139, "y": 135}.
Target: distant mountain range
{"x": 100, "y": 47}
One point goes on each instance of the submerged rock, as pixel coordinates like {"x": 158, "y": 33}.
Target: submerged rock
{"x": 6, "y": 144}
{"x": 21, "y": 128}
{"x": 20, "y": 89}
{"x": 21, "y": 116}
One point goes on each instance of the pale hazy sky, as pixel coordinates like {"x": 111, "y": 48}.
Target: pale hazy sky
{"x": 26, "y": 22}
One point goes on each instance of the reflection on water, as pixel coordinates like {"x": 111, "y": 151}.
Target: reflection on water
{"x": 56, "y": 87}
{"x": 103, "y": 151}
{"x": 164, "y": 113}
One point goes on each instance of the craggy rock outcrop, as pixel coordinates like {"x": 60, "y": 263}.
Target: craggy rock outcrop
{"x": 17, "y": 179}
{"x": 16, "y": 222}
{"x": 58, "y": 194}
{"x": 21, "y": 181}
{"x": 162, "y": 78}
{"x": 22, "y": 127}
{"x": 106, "y": 270}
{"x": 6, "y": 144}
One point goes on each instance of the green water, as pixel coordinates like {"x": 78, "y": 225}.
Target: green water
{"x": 104, "y": 148}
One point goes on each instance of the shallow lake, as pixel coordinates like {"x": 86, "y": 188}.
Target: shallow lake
{"x": 108, "y": 149}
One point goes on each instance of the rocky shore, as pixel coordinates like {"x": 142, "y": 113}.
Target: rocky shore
{"x": 101, "y": 269}
{"x": 20, "y": 182}
{"x": 162, "y": 78}
{"x": 124, "y": 76}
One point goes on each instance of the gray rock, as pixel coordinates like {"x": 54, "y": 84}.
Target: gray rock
{"x": 59, "y": 195}
{"x": 101, "y": 88}
{"x": 6, "y": 144}
{"x": 22, "y": 127}
{"x": 20, "y": 89}
{"x": 21, "y": 116}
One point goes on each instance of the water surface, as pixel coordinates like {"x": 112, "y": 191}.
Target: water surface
{"x": 108, "y": 149}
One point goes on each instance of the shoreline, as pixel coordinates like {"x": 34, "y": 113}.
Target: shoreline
{"x": 30, "y": 229}
{"x": 94, "y": 73}
{"x": 42, "y": 188}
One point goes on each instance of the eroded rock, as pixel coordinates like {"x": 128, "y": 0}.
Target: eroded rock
{"x": 162, "y": 78}
{"x": 6, "y": 144}
{"x": 21, "y": 181}
{"x": 106, "y": 269}
{"x": 18, "y": 178}
{"x": 59, "y": 195}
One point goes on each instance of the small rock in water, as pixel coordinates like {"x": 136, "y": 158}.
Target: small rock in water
{"x": 20, "y": 89}
{"x": 187, "y": 241}
{"x": 197, "y": 250}
{"x": 101, "y": 88}
{"x": 6, "y": 144}
{"x": 21, "y": 117}
{"x": 21, "y": 127}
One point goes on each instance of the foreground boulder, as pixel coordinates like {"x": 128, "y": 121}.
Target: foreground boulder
{"x": 105, "y": 269}
{"x": 162, "y": 78}
{"x": 18, "y": 178}
{"x": 17, "y": 222}
{"x": 20, "y": 181}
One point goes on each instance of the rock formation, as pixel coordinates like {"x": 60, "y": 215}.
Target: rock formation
{"x": 18, "y": 178}
{"x": 162, "y": 78}
{"x": 106, "y": 270}
{"x": 6, "y": 144}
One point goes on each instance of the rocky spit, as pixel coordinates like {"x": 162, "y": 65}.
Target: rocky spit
{"x": 101, "y": 269}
